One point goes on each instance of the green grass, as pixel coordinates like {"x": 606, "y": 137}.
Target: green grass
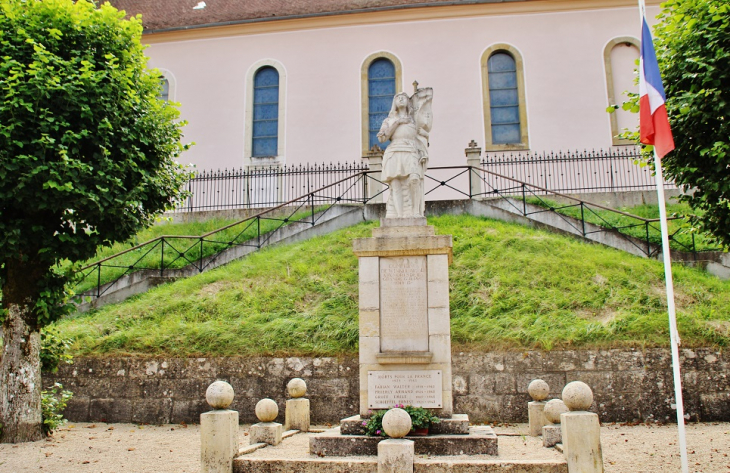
{"x": 512, "y": 287}
{"x": 680, "y": 230}
{"x": 178, "y": 252}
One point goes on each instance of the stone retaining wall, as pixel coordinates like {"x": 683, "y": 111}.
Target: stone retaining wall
{"x": 629, "y": 385}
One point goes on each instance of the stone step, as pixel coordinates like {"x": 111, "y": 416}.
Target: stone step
{"x": 481, "y": 440}
{"x": 420, "y": 465}
{"x": 458, "y": 424}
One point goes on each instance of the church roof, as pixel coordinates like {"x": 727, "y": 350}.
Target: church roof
{"x": 162, "y": 15}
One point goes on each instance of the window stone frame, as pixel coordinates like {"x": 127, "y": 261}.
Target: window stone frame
{"x": 612, "y": 99}
{"x": 364, "y": 91}
{"x": 280, "y": 158}
{"x": 524, "y": 143}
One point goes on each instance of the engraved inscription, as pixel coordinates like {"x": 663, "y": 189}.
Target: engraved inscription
{"x": 415, "y": 388}
{"x": 403, "y": 304}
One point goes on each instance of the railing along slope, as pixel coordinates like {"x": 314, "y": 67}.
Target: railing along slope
{"x": 171, "y": 256}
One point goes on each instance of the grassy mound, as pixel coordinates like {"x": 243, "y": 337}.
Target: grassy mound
{"x": 512, "y": 287}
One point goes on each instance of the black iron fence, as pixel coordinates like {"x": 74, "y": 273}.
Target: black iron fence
{"x": 184, "y": 255}
{"x": 268, "y": 186}
{"x": 615, "y": 170}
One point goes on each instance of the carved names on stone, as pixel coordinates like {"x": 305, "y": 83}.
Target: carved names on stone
{"x": 420, "y": 388}
{"x": 403, "y": 304}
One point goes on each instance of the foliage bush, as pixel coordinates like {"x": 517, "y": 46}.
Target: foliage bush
{"x": 692, "y": 42}
{"x": 53, "y": 402}
{"x": 693, "y": 49}
{"x": 87, "y": 158}
{"x": 54, "y": 350}
{"x": 421, "y": 418}
{"x": 374, "y": 425}
{"x": 84, "y": 142}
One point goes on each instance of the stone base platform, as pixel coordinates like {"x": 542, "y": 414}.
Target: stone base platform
{"x": 420, "y": 465}
{"x": 518, "y": 453}
{"x": 458, "y": 424}
{"x": 481, "y": 440}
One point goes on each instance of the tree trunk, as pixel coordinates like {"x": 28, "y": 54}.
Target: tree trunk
{"x": 20, "y": 368}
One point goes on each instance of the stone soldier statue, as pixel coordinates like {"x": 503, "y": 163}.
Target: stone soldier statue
{"x": 406, "y": 158}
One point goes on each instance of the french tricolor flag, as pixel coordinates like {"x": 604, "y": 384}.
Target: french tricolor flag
{"x": 653, "y": 122}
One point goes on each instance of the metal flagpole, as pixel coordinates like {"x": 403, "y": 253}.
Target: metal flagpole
{"x": 673, "y": 333}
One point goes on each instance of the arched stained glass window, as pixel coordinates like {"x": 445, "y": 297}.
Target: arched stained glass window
{"x": 265, "y": 112}
{"x": 381, "y": 90}
{"x": 504, "y": 100}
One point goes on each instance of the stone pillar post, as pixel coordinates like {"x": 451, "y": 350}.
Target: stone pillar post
{"x": 581, "y": 431}
{"x": 218, "y": 430}
{"x": 266, "y": 431}
{"x": 551, "y": 433}
{"x": 375, "y": 165}
{"x": 473, "y": 157}
{"x": 297, "y": 409}
{"x": 538, "y": 390}
{"x": 395, "y": 455}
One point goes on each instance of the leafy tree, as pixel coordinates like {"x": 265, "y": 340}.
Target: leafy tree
{"x": 87, "y": 158}
{"x": 692, "y": 42}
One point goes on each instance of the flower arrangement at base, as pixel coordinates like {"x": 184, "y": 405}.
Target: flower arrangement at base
{"x": 421, "y": 418}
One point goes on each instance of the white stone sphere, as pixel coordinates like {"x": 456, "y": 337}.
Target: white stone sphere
{"x": 553, "y": 409}
{"x": 578, "y": 396}
{"x": 397, "y": 423}
{"x": 219, "y": 395}
{"x": 297, "y": 387}
{"x": 538, "y": 390}
{"x": 267, "y": 410}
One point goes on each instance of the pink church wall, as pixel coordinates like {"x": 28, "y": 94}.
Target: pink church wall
{"x": 564, "y": 79}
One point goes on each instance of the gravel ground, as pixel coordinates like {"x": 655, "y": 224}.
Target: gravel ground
{"x": 97, "y": 448}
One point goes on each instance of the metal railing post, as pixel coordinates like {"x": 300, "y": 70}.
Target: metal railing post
{"x": 524, "y": 201}
{"x": 311, "y": 202}
{"x": 582, "y": 219}
{"x": 162, "y": 258}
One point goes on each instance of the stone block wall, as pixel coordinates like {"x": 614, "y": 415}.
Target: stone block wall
{"x": 172, "y": 390}
{"x": 628, "y": 385}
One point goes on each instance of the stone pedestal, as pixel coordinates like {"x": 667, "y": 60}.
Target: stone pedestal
{"x": 405, "y": 336}
{"x": 536, "y": 418}
{"x": 297, "y": 415}
{"x": 218, "y": 440}
{"x": 265, "y": 432}
{"x": 551, "y": 435}
{"x": 395, "y": 456}
{"x": 581, "y": 434}
{"x": 405, "y": 348}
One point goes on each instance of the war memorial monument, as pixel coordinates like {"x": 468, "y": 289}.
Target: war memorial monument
{"x": 404, "y": 319}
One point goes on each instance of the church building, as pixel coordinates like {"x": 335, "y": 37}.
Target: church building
{"x": 286, "y": 82}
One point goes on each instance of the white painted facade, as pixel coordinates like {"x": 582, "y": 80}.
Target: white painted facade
{"x": 562, "y": 46}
